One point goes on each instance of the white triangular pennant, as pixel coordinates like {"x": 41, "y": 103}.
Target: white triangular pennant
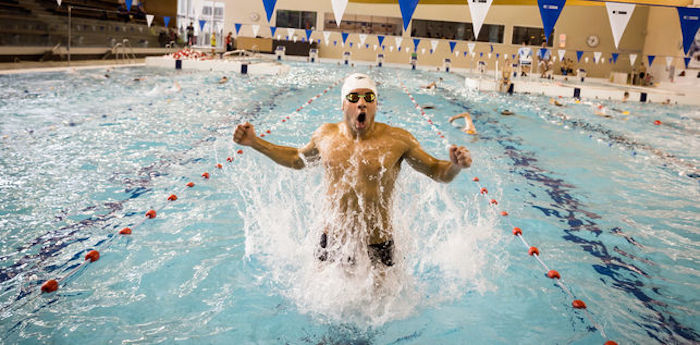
{"x": 561, "y": 54}
{"x": 669, "y": 60}
{"x": 596, "y": 56}
{"x": 375, "y": 47}
{"x": 473, "y": 54}
{"x": 294, "y": 39}
{"x": 391, "y": 48}
{"x": 279, "y": 37}
{"x": 398, "y": 41}
{"x": 434, "y": 44}
{"x": 554, "y": 59}
{"x": 149, "y": 19}
{"x": 585, "y": 59}
{"x": 489, "y": 55}
{"x": 338, "y": 10}
{"x": 422, "y": 51}
{"x": 619, "y": 15}
{"x": 363, "y": 37}
{"x": 633, "y": 58}
{"x": 290, "y": 33}
{"x": 471, "y": 46}
{"x": 255, "y": 28}
{"x": 326, "y": 36}
{"x": 59, "y": 2}
{"x": 456, "y": 52}
{"x": 478, "y": 9}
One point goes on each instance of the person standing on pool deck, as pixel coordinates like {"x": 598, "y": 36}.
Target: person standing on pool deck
{"x": 362, "y": 159}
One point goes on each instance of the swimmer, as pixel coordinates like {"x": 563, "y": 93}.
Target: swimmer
{"x": 625, "y": 97}
{"x": 140, "y": 79}
{"x": 432, "y": 85}
{"x": 428, "y": 106}
{"x": 600, "y": 111}
{"x": 469, "y": 127}
{"x": 666, "y": 102}
{"x": 555, "y": 102}
{"x": 507, "y": 112}
{"x": 223, "y": 80}
{"x": 362, "y": 160}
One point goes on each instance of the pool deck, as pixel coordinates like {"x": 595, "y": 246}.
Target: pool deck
{"x": 684, "y": 91}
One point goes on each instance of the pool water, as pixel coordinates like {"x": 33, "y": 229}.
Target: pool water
{"x": 611, "y": 203}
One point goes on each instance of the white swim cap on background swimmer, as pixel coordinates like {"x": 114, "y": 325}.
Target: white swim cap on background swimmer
{"x": 357, "y": 81}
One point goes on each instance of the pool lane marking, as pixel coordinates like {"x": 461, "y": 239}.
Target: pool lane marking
{"x": 301, "y": 107}
{"x": 532, "y": 250}
{"x": 94, "y": 255}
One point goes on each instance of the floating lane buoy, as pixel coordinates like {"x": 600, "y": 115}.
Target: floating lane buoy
{"x": 553, "y": 274}
{"x": 657, "y": 122}
{"x": 172, "y": 197}
{"x": 205, "y": 175}
{"x": 219, "y": 166}
{"x": 578, "y": 304}
{"x": 151, "y": 214}
{"x": 240, "y": 152}
{"x": 92, "y": 255}
{"x": 484, "y": 190}
{"x": 190, "y": 184}
{"x": 475, "y": 179}
{"x": 229, "y": 159}
{"x": 533, "y": 250}
{"x": 517, "y": 231}
{"x": 504, "y": 213}
{"x": 49, "y": 286}
{"x": 610, "y": 342}
{"x": 125, "y": 231}
{"x": 494, "y": 202}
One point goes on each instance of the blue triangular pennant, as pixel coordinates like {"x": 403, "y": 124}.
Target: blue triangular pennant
{"x": 541, "y": 53}
{"x": 690, "y": 22}
{"x": 651, "y": 58}
{"x": 398, "y": 48}
{"x": 238, "y": 28}
{"x": 497, "y": 55}
{"x": 366, "y": 45}
{"x": 269, "y": 8}
{"x": 344, "y": 35}
{"x": 166, "y": 20}
{"x": 272, "y": 31}
{"x": 318, "y": 41}
{"x": 513, "y": 56}
{"x": 335, "y": 43}
{"x": 128, "y": 5}
{"x": 492, "y": 48}
{"x": 579, "y": 54}
{"x": 481, "y": 54}
{"x": 416, "y": 42}
{"x": 308, "y": 34}
{"x": 201, "y": 24}
{"x": 452, "y": 46}
{"x": 550, "y": 11}
{"x": 380, "y": 39}
{"x": 614, "y": 57}
{"x": 407, "y": 9}
{"x": 465, "y": 53}
{"x": 687, "y": 61}
{"x": 350, "y": 44}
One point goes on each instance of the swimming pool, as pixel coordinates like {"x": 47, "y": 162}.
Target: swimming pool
{"x": 611, "y": 203}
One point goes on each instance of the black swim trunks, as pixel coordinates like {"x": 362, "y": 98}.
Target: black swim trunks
{"x": 383, "y": 252}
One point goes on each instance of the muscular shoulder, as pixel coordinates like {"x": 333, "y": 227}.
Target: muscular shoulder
{"x": 401, "y": 135}
{"x": 325, "y": 129}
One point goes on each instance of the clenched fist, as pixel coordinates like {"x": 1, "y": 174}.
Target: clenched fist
{"x": 460, "y": 156}
{"x": 244, "y": 134}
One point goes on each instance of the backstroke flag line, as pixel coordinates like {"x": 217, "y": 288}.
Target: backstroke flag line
{"x": 338, "y": 10}
{"x": 407, "y": 9}
{"x": 619, "y": 15}
{"x": 149, "y": 19}
{"x": 269, "y": 8}
{"x": 256, "y": 29}
{"x": 690, "y": 22}
{"x": 478, "y": 10}
{"x": 633, "y": 58}
{"x": 550, "y": 11}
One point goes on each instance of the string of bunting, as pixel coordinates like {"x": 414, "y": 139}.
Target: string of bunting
{"x": 518, "y": 232}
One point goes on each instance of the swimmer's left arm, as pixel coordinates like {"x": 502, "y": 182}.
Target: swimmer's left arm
{"x": 438, "y": 170}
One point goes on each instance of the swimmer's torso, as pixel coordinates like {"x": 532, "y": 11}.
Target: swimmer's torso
{"x": 361, "y": 175}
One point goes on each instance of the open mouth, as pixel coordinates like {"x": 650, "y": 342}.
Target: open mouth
{"x": 361, "y": 120}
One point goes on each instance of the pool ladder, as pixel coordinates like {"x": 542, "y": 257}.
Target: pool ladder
{"x": 124, "y": 52}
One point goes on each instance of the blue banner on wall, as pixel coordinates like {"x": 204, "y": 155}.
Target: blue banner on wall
{"x": 201, "y": 24}
{"x": 380, "y": 39}
{"x": 452, "y": 46}
{"x": 407, "y": 9}
{"x": 166, "y": 20}
{"x": 687, "y": 61}
{"x": 690, "y": 22}
{"x": 651, "y": 58}
{"x": 272, "y": 31}
{"x": 269, "y": 8}
{"x": 345, "y": 36}
{"x": 614, "y": 57}
{"x": 550, "y": 11}
{"x": 416, "y": 42}
{"x": 308, "y": 35}
{"x": 579, "y": 54}
{"x": 238, "y": 28}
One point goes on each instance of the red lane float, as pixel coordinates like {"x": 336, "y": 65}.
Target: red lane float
{"x": 610, "y": 342}
{"x": 484, "y": 190}
{"x": 517, "y": 231}
{"x": 493, "y": 202}
{"x": 553, "y": 274}
{"x": 657, "y": 122}
{"x": 219, "y": 166}
{"x": 125, "y": 231}
{"x": 172, "y": 197}
{"x": 229, "y": 159}
{"x": 504, "y": 213}
{"x": 151, "y": 214}
{"x": 49, "y": 286}
{"x": 190, "y": 184}
{"x": 533, "y": 251}
{"x": 578, "y": 304}
{"x": 476, "y": 179}
{"x": 205, "y": 175}
{"x": 240, "y": 152}
{"x": 92, "y": 255}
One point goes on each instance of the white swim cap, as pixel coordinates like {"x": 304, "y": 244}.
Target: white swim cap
{"x": 357, "y": 81}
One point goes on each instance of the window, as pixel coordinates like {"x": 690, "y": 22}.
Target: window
{"x": 296, "y": 19}
{"x": 531, "y": 36}
{"x": 456, "y": 31}
{"x": 364, "y": 24}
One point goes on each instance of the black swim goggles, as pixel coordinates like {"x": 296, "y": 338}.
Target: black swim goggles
{"x": 354, "y": 97}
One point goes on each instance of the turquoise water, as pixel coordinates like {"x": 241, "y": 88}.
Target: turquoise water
{"x": 610, "y": 202}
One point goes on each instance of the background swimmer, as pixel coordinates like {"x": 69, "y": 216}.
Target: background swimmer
{"x": 469, "y": 127}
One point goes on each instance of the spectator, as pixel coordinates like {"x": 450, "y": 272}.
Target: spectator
{"x": 229, "y": 42}
{"x": 190, "y": 35}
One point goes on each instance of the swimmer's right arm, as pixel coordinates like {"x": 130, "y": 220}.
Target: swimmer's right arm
{"x": 290, "y": 157}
